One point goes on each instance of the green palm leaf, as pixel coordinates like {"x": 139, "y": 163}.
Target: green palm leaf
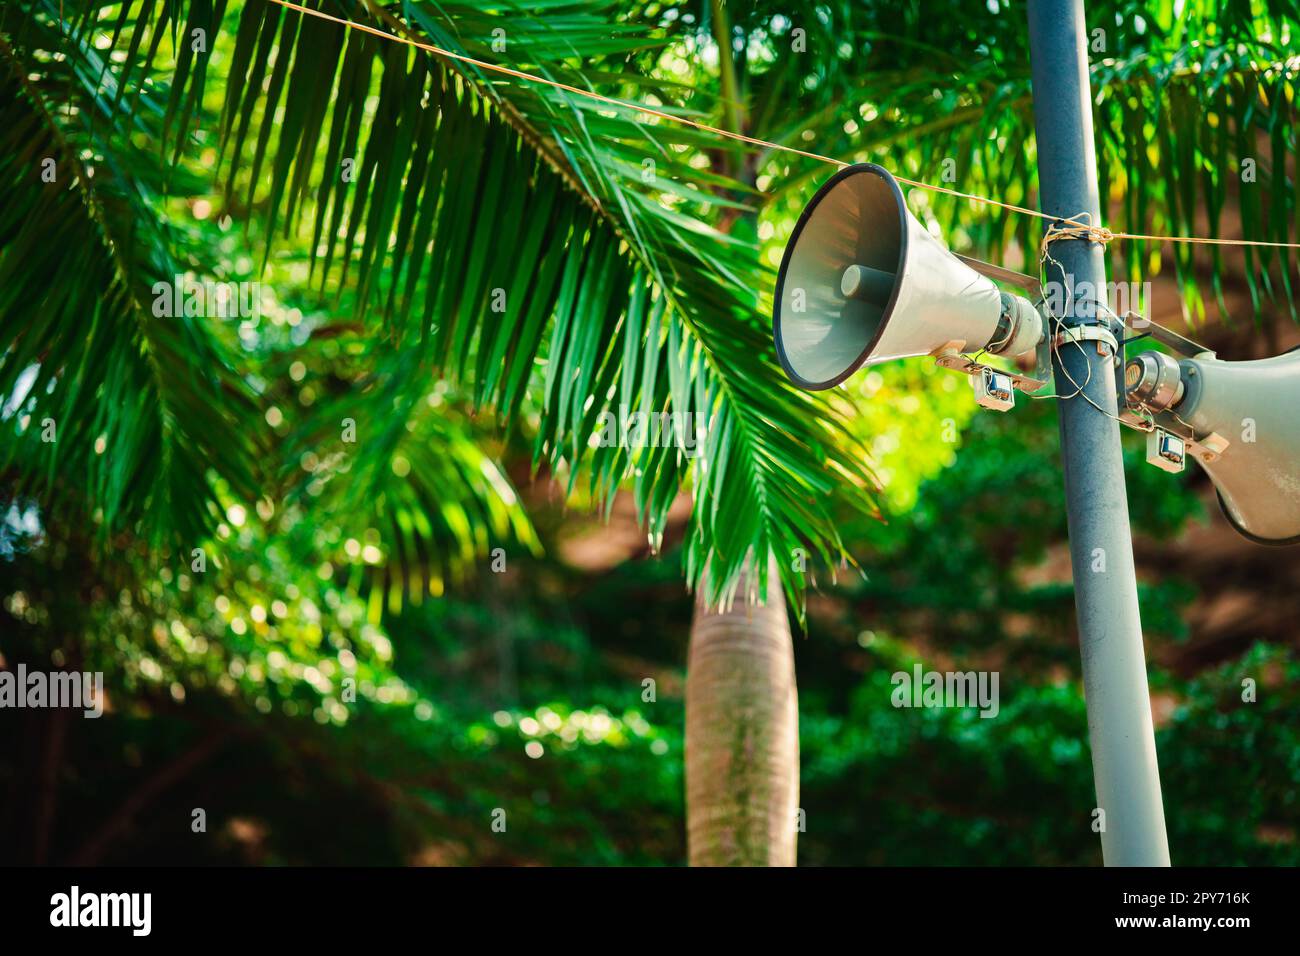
{"x": 496, "y": 231}
{"x": 134, "y": 415}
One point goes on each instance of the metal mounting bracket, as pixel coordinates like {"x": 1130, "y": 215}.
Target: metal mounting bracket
{"x": 1206, "y": 447}
{"x": 1168, "y": 337}
{"x": 987, "y": 269}
{"x": 949, "y": 356}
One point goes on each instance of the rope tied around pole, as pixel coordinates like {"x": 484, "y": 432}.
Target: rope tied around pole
{"x": 1074, "y": 228}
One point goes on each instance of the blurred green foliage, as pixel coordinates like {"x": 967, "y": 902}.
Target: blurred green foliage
{"x": 525, "y": 693}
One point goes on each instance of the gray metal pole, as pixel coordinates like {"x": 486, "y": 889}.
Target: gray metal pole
{"x": 1101, "y": 548}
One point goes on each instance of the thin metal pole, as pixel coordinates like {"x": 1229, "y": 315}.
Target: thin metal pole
{"x": 1101, "y": 547}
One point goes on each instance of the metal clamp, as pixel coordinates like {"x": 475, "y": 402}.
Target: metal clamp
{"x": 1078, "y": 334}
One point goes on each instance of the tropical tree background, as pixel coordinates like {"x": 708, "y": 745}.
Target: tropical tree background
{"x": 364, "y": 581}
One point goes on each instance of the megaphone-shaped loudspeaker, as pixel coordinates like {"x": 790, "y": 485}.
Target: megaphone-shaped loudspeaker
{"x": 1249, "y": 410}
{"x": 863, "y": 282}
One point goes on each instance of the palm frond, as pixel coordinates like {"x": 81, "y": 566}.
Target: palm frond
{"x": 135, "y": 415}
{"x": 507, "y": 235}
{"x": 157, "y": 413}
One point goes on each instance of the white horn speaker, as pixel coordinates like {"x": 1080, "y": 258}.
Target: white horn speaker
{"x": 863, "y": 282}
{"x": 1251, "y": 412}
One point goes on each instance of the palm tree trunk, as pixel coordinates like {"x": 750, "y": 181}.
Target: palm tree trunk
{"x": 742, "y": 733}
{"x": 742, "y": 706}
